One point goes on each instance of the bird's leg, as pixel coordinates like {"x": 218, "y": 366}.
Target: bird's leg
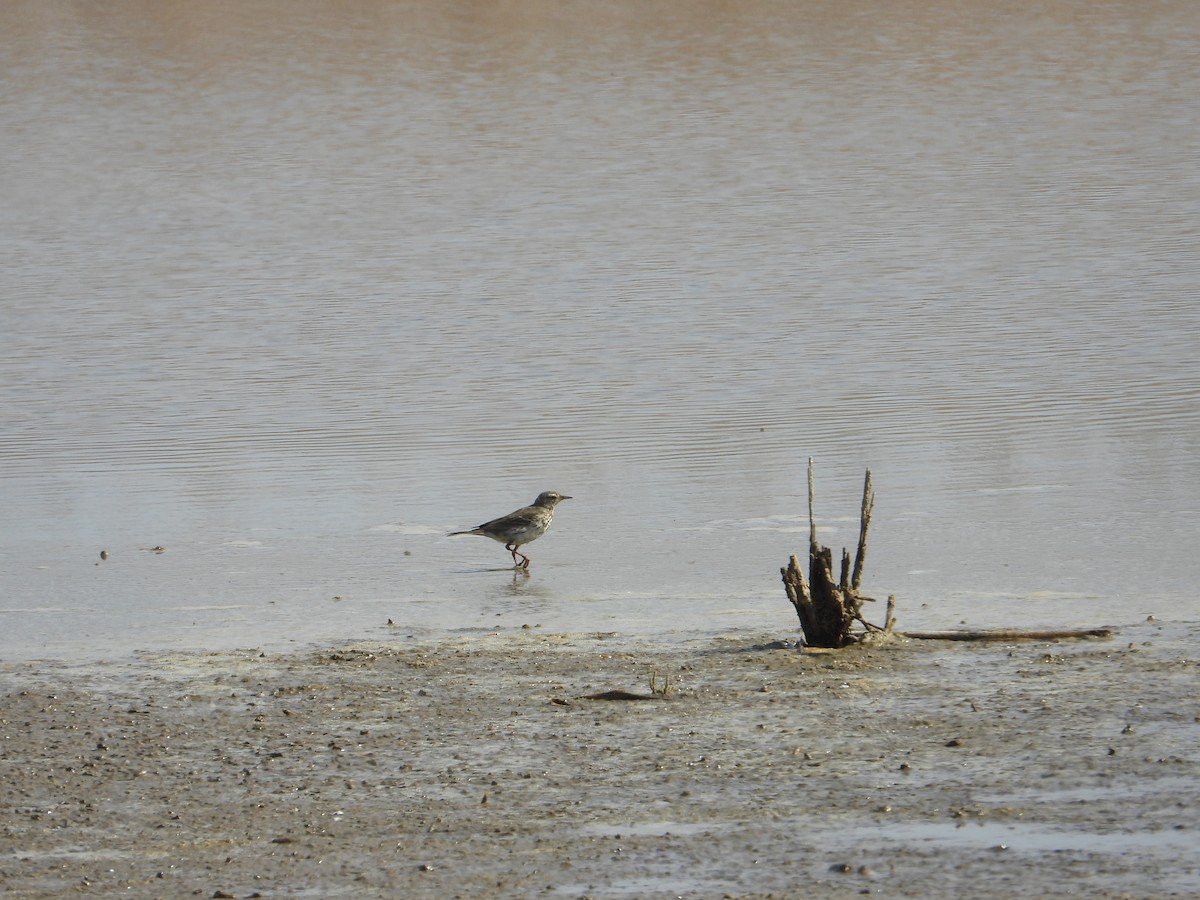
{"x": 512, "y": 548}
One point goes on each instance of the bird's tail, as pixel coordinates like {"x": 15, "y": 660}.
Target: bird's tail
{"x": 457, "y": 533}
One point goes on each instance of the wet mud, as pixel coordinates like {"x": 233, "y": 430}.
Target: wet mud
{"x": 478, "y": 766}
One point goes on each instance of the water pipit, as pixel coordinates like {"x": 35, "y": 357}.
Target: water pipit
{"x": 520, "y": 527}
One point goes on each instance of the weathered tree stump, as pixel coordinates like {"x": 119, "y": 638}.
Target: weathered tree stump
{"x": 828, "y": 608}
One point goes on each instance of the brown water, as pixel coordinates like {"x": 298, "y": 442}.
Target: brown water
{"x": 292, "y": 289}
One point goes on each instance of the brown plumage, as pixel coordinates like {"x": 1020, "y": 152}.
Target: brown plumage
{"x": 521, "y": 527}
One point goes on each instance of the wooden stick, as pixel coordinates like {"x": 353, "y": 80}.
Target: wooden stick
{"x": 868, "y": 506}
{"x": 1004, "y": 634}
{"x": 812, "y": 521}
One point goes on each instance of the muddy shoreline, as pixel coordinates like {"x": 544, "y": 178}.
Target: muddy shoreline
{"x": 472, "y": 766}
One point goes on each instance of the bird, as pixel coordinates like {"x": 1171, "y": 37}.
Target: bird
{"x": 517, "y": 528}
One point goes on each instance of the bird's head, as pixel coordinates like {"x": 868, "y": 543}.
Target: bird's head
{"x": 549, "y": 499}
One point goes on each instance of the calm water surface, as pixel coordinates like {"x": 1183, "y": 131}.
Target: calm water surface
{"x": 291, "y": 290}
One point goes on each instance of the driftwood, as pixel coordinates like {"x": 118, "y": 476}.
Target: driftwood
{"x": 1008, "y": 634}
{"x": 828, "y": 608}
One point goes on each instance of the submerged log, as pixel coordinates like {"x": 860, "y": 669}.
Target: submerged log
{"x": 829, "y": 607}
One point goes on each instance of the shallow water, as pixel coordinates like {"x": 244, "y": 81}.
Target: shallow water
{"x": 291, "y": 294}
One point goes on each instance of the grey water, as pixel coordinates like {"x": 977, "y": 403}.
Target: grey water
{"x": 292, "y": 290}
